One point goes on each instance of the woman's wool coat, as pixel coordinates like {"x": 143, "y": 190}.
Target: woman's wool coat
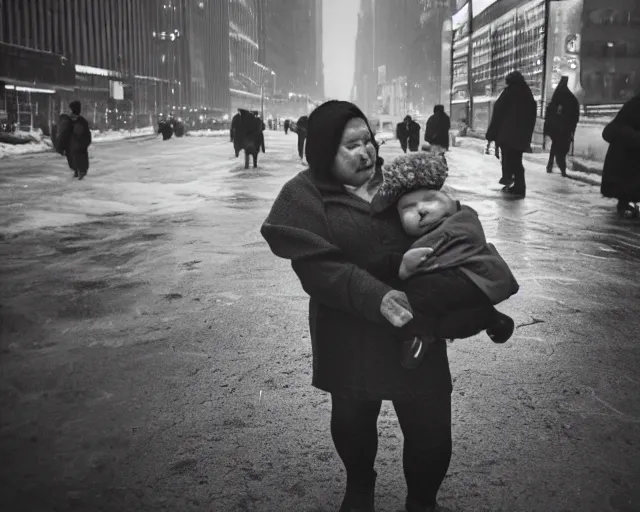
{"x": 330, "y": 236}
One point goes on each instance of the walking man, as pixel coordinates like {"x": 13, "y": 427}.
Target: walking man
{"x": 561, "y": 119}
{"x": 511, "y": 128}
{"x": 302, "y": 125}
{"x": 436, "y": 131}
{"x": 74, "y": 139}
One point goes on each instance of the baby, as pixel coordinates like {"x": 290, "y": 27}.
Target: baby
{"x": 464, "y": 270}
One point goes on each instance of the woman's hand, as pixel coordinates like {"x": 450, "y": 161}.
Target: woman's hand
{"x": 395, "y": 308}
{"x": 412, "y": 259}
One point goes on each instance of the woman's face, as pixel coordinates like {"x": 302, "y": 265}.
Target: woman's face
{"x": 356, "y": 158}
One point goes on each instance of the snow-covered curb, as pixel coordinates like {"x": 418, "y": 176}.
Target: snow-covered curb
{"x": 113, "y": 135}
{"x": 42, "y": 144}
{"x": 207, "y": 133}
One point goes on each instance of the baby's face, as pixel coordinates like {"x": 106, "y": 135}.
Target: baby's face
{"x": 420, "y": 209}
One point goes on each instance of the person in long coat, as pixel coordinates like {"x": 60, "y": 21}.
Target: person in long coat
{"x": 436, "y": 131}
{"x": 73, "y": 140}
{"x": 561, "y": 118}
{"x": 322, "y": 222}
{"x": 301, "y": 131}
{"x": 247, "y": 134}
{"x": 408, "y": 133}
{"x": 621, "y": 172}
{"x": 235, "y": 134}
{"x": 286, "y": 126}
{"x": 511, "y": 128}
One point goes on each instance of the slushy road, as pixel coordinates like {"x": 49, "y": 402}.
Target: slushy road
{"x": 155, "y": 354}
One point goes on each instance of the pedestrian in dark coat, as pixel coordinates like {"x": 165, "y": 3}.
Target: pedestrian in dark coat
{"x": 511, "y": 128}
{"x": 74, "y": 139}
{"x": 260, "y": 127}
{"x": 247, "y": 135}
{"x": 235, "y": 132}
{"x": 621, "y": 172}
{"x": 302, "y": 125}
{"x": 286, "y": 126}
{"x": 408, "y": 133}
{"x": 165, "y": 129}
{"x": 436, "y": 131}
{"x": 561, "y": 119}
{"x": 322, "y": 222}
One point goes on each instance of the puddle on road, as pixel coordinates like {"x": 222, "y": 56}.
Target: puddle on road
{"x": 240, "y": 200}
{"x": 242, "y": 173}
{"x": 72, "y": 272}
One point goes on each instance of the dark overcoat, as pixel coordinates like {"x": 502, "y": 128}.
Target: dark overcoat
{"x": 561, "y": 118}
{"x": 514, "y": 118}
{"x": 437, "y": 130}
{"x": 621, "y": 172}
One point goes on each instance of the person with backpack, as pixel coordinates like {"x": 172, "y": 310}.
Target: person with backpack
{"x": 74, "y": 139}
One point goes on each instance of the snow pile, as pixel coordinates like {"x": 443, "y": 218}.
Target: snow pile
{"x": 22, "y": 149}
{"x": 380, "y": 136}
{"x": 207, "y": 133}
{"x": 40, "y": 143}
{"x": 113, "y": 135}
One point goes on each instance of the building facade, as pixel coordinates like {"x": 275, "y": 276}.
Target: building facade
{"x": 124, "y": 59}
{"x": 244, "y": 45}
{"x": 397, "y": 56}
{"x": 610, "y": 51}
{"x": 596, "y": 46}
{"x": 293, "y": 37}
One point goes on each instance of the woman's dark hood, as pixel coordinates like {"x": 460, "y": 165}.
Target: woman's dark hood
{"x": 326, "y": 125}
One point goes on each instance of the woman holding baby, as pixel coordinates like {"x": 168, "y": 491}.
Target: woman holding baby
{"x": 323, "y": 223}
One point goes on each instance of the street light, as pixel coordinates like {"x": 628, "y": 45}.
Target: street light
{"x": 264, "y": 68}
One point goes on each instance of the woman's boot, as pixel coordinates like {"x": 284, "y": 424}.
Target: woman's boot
{"x": 358, "y": 501}
{"x": 359, "y": 498}
{"x": 414, "y": 507}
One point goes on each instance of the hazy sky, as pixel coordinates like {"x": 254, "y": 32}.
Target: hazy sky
{"x": 339, "y": 24}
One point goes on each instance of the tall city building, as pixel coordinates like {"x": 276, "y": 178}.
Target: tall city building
{"x": 398, "y": 56}
{"x": 294, "y": 32}
{"x": 245, "y": 34}
{"x": 191, "y": 40}
{"x": 140, "y": 56}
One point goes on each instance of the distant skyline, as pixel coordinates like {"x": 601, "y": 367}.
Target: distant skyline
{"x": 340, "y": 24}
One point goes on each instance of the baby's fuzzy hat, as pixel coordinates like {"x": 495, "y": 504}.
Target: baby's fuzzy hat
{"x": 409, "y": 172}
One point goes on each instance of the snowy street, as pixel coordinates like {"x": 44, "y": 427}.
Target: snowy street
{"x": 155, "y": 354}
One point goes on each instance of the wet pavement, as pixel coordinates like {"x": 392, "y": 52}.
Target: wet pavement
{"x": 155, "y": 355}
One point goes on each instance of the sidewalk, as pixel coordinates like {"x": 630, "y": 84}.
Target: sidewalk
{"x": 43, "y": 144}
{"x": 579, "y": 169}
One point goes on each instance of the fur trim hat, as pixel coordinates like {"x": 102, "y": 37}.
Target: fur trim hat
{"x": 410, "y": 172}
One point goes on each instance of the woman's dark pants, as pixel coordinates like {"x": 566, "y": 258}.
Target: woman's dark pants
{"x": 513, "y": 170}
{"x": 426, "y": 426}
{"x": 559, "y": 156}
